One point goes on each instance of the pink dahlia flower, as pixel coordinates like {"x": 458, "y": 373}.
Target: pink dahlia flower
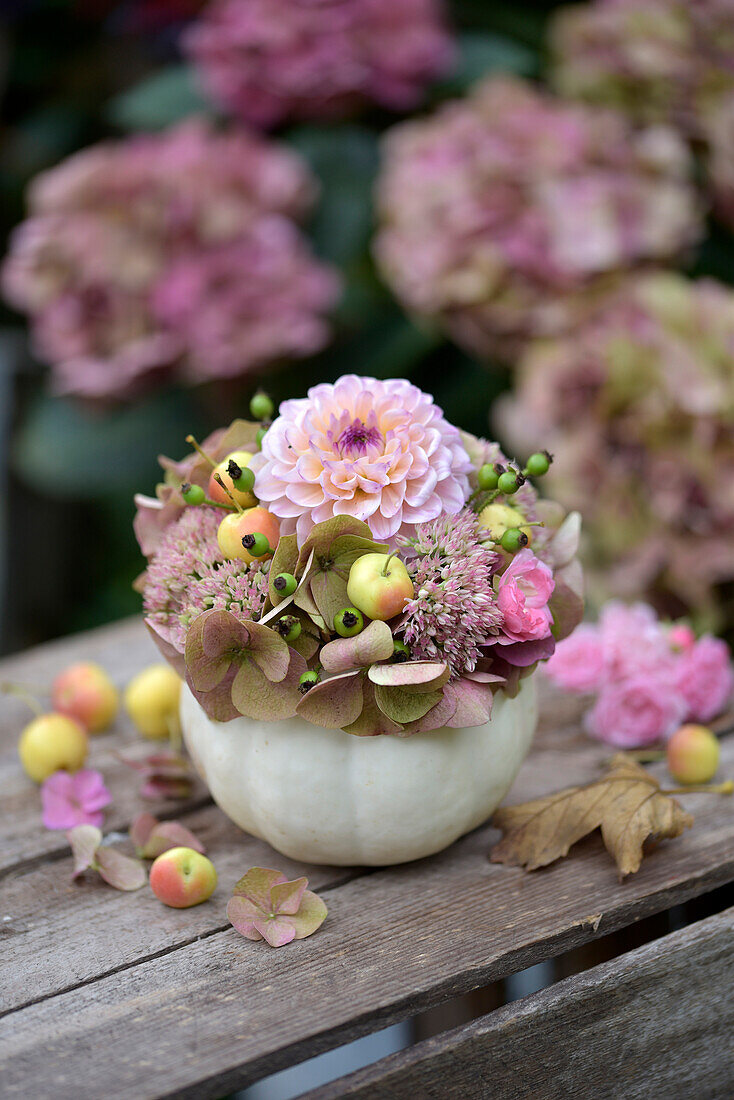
{"x": 267, "y": 60}
{"x": 377, "y": 450}
{"x": 636, "y": 711}
{"x": 169, "y": 253}
{"x": 508, "y": 214}
{"x": 706, "y": 678}
{"x": 523, "y": 592}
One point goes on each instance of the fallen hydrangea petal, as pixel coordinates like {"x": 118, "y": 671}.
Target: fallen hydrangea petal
{"x": 334, "y": 703}
{"x": 411, "y": 676}
{"x": 117, "y": 869}
{"x": 120, "y": 871}
{"x": 77, "y": 799}
{"x": 84, "y": 841}
{"x": 167, "y": 775}
{"x": 152, "y": 837}
{"x": 268, "y": 906}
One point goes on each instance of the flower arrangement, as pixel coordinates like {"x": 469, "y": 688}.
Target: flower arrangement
{"x": 648, "y": 676}
{"x": 124, "y": 236}
{"x": 271, "y": 60}
{"x": 508, "y": 214}
{"x": 637, "y": 407}
{"x": 358, "y": 562}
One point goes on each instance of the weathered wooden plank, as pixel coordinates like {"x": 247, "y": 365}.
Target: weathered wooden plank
{"x": 220, "y": 1012}
{"x": 57, "y": 932}
{"x": 122, "y": 649}
{"x": 656, "y": 1022}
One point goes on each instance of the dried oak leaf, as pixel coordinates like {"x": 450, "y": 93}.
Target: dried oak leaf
{"x": 626, "y": 803}
{"x": 266, "y": 906}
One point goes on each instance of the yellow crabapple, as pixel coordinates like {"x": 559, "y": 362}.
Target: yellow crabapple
{"x": 152, "y": 701}
{"x": 52, "y": 743}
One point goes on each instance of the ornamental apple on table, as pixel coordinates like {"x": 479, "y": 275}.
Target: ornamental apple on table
{"x": 183, "y": 877}
{"x": 85, "y": 692}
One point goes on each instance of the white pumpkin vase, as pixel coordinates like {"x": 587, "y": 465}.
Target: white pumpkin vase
{"x": 325, "y": 796}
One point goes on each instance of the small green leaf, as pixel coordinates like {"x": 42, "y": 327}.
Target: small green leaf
{"x": 402, "y": 706}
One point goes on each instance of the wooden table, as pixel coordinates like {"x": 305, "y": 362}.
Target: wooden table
{"x": 105, "y": 994}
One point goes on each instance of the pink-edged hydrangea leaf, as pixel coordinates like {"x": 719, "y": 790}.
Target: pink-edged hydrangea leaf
{"x": 372, "y": 721}
{"x": 218, "y": 702}
{"x": 334, "y": 703}
{"x": 567, "y": 601}
{"x": 268, "y": 906}
{"x": 436, "y": 718}
{"x": 473, "y": 703}
{"x": 256, "y": 697}
{"x": 166, "y": 648}
{"x": 152, "y": 837}
{"x": 284, "y": 560}
{"x": 84, "y": 841}
{"x": 120, "y": 871}
{"x": 335, "y": 544}
{"x": 374, "y": 643}
{"x": 403, "y": 706}
{"x": 411, "y": 676}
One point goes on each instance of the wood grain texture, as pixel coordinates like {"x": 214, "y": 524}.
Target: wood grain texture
{"x": 221, "y": 1012}
{"x": 123, "y": 650}
{"x": 199, "y": 1010}
{"x": 657, "y": 1022}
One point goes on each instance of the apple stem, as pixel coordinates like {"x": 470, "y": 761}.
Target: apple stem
{"x": 727, "y": 787}
{"x": 393, "y": 555}
{"x": 7, "y": 687}
{"x": 190, "y": 439}
{"x": 219, "y": 481}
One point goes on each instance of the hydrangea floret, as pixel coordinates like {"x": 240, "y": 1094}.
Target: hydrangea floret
{"x": 409, "y": 572}
{"x": 266, "y": 906}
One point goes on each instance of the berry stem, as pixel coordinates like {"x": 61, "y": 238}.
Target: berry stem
{"x": 7, "y": 687}
{"x": 727, "y": 787}
{"x": 219, "y": 481}
{"x": 190, "y": 439}
{"x": 217, "y": 504}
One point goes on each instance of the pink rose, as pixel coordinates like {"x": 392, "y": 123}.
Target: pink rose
{"x": 634, "y": 641}
{"x": 578, "y": 662}
{"x": 636, "y": 711}
{"x": 523, "y": 592}
{"x": 705, "y": 678}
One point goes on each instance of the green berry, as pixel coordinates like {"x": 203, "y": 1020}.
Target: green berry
{"x": 260, "y": 436}
{"x": 285, "y": 584}
{"x": 306, "y": 681}
{"x": 261, "y": 407}
{"x": 245, "y": 482}
{"x": 348, "y": 622}
{"x": 400, "y": 651}
{"x": 509, "y": 482}
{"x": 193, "y": 494}
{"x": 289, "y": 627}
{"x": 513, "y": 539}
{"x": 539, "y": 463}
{"x": 256, "y": 544}
{"x": 488, "y": 476}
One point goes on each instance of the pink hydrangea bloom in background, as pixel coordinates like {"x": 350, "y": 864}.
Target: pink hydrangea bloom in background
{"x": 172, "y": 252}
{"x": 380, "y": 451}
{"x": 650, "y": 676}
{"x": 637, "y": 409}
{"x": 509, "y": 214}
{"x": 77, "y": 799}
{"x": 578, "y": 662}
{"x": 268, "y": 60}
{"x": 706, "y": 678}
{"x": 636, "y": 711}
{"x": 523, "y": 592}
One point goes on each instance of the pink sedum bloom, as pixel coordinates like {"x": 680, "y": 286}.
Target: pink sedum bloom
{"x": 578, "y": 662}
{"x": 380, "y": 451}
{"x": 705, "y": 678}
{"x": 523, "y": 592}
{"x": 636, "y": 711}
{"x": 70, "y": 800}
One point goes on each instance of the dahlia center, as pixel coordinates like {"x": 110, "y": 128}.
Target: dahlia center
{"x": 357, "y": 439}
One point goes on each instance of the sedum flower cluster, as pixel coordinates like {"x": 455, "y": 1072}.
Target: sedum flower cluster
{"x": 385, "y": 573}
{"x": 172, "y": 253}
{"x": 506, "y": 215}
{"x": 648, "y": 676}
{"x": 638, "y": 407}
{"x": 270, "y": 60}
